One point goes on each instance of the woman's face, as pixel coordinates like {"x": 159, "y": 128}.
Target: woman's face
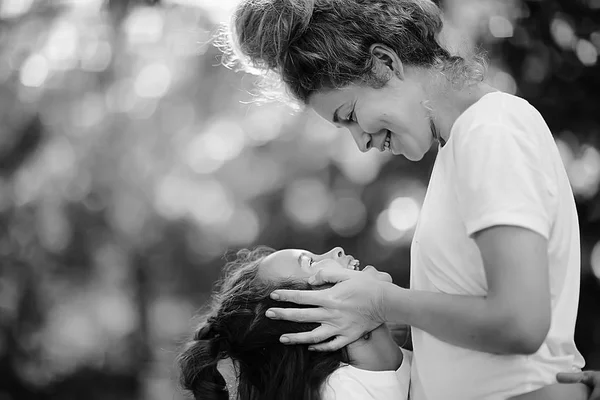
{"x": 396, "y": 110}
{"x": 295, "y": 263}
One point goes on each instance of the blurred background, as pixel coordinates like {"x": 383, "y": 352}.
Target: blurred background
{"x": 131, "y": 162}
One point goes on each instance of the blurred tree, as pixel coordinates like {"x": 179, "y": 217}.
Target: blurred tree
{"x": 553, "y": 56}
{"x": 128, "y": 166}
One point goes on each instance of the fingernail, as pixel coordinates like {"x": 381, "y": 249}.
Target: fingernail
{"x": 274, "y": 296}
{"x": 311, "y": 280}
{"x": 270, "y": 314}
{"x": 284, "y": 339}
{"x": 311, "y": 349}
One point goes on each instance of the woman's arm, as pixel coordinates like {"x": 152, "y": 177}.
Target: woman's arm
{"x": 557, "y": 391}
{"x": 513, "y": 318}
{"x": 589, "y": 378}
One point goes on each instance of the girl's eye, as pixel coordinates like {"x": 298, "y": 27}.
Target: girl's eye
{"x": 310, "y": 260}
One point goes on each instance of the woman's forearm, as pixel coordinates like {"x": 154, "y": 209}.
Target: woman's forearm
{"x": 575, "y": 391}
{"x": 476, "y": 323}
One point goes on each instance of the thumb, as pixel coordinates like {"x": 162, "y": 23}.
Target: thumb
{"x": 569, "y": 377}
{"x": 331, "y": 276}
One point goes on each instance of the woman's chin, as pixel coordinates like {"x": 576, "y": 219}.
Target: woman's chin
{"x": 415, "y": 158}
{"x": 409, "y": 154}
{"x": 410, "y": 151}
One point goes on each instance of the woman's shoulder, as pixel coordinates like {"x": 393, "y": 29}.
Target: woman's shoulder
{"x": 497, "y": 108}
{"x": 501, "y": 113}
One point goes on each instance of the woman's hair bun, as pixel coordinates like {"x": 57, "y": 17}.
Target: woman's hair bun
{"x": 266, "y": 29}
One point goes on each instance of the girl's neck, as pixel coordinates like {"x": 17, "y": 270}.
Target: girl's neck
{"x": 376, "y": 352}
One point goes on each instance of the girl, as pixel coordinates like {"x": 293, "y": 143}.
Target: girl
{"x": 495, "y": 259}
{"x": 374, "y": 367}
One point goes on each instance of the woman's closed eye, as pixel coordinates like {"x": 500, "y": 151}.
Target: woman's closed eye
{"x": 351, "y": 118}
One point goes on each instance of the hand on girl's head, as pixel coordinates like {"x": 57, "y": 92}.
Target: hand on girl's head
{"x": 346, "y": 311}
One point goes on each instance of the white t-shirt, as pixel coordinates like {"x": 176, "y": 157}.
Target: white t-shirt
{"x": 350, "y": 383}
{"x": 500, "y": 166}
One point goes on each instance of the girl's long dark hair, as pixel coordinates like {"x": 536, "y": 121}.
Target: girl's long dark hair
{"x": 237, "y": 328}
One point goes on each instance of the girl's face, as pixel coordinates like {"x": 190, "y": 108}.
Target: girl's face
{"x": 295, "y": 263}
{"x": 393, "y": 113}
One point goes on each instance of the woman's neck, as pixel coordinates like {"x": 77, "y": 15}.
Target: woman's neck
{"x": 448, "y": 104}
{"x": 376, "y": 351}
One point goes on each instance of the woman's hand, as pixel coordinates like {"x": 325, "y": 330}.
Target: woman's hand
{"x": 347, "y": 311}
{"x": 589, "y": 378}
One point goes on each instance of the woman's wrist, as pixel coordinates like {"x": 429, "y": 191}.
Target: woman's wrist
{"x": 393, "y": 300}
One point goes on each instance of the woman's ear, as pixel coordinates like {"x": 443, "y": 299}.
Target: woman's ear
{"x": 386, "y": 62}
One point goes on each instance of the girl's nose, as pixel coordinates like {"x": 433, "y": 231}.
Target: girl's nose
{"x": 336, "y": 252}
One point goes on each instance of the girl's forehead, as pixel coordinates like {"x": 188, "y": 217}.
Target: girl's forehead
{"x": 283, "y": 255}
{"x": 282, "y": 263}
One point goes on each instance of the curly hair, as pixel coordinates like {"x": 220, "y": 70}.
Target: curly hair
{"x": 236, "y": 328}
{"x": 310, "y": 45}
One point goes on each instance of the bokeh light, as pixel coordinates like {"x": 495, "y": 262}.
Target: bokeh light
{"x": 404, "y": 213}
{"x": 348, "y": 216}
{"x": 595, "y": 260}
{"x": 307, "y": 201}
{"x": 34, "y": 71}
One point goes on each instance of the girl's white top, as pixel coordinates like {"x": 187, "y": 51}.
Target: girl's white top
{"x": 500, "y": 166}
{"x": 350, "y": 383}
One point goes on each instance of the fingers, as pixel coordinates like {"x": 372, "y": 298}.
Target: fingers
{"x": 298, "y": 314}
{"x": 331, "y": 275}
{"x": 337, "y": 343}
{"x": 589, "y": 378}
{"x": 317, "y": 335}
{"x": 570, "y": 377}
{"x": 592, "y": 379}
{"x": 308, "y": 297}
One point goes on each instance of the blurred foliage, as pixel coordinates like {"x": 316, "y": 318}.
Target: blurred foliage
{"x": 130, "y": 162}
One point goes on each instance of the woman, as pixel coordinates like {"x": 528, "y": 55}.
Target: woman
{"x": 495, "y": 259}
{"x": 373, "y": 367}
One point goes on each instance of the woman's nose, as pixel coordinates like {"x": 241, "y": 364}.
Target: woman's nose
{"x": 362, "y": 139}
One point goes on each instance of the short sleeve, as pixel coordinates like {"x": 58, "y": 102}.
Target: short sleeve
{"x": 502, "y": 179}
{"x": 350, "y": 383}
{"x": 341, "y": 388}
